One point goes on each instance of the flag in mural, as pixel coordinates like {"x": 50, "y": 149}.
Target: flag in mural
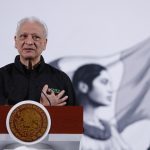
{"x": 133, "y": 99}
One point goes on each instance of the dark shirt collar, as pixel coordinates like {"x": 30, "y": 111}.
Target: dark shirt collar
{"x": 38, "y": 67}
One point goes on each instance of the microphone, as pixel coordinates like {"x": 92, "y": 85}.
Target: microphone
{"x": 29, "y": 67}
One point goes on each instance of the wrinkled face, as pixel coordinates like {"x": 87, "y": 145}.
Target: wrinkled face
{"x": 101, "y": 91}
{"x": 30, "y": 41}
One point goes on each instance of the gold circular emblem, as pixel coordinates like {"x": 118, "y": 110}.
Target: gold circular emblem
{"x": 28, "y": 122}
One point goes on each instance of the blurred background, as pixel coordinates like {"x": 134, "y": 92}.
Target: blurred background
{"x": 78, "y": 27}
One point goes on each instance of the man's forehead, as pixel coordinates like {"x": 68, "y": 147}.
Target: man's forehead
{"x": 31, "y": 25}
{"x": 31, "y": 28}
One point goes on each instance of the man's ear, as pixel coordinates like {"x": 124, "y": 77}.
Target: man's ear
{"x": 45, "y": 43}
{"x": 15, "y": 42}
{"x": 83, "y": 87}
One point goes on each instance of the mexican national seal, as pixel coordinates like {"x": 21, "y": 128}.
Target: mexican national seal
{"x": 28, "y": 122}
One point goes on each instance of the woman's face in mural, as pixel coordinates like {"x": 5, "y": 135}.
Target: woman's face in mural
{"x": 101, "y": 91}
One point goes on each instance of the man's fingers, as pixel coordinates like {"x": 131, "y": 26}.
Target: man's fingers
{"x": 62, "y": 104}
{"x": 42, "y": 96}
{"x": 45, "y": 88}
{"x": 48, "y": 94}
{"x": 61, "y": 94}
{"x": 63, "y": 99}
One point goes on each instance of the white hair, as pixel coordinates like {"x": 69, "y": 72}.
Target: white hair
{"x": 32, "y": 19}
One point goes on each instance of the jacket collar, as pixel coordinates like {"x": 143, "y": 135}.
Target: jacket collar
{"x": 21, "y": 67}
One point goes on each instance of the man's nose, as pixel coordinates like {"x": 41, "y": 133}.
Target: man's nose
{"x": 29, "y": 40}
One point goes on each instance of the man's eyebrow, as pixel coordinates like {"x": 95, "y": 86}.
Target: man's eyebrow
{"x": 22, "y": 33}
{"x": 36, "y": 34}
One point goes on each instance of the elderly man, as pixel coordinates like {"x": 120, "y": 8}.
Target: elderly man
{"x": 29, "y": 77}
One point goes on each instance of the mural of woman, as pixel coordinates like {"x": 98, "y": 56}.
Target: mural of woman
{"x": 130, "y": 73}
{"x": 93, "y": 89}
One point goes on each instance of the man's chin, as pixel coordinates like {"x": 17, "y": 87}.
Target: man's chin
{"x": 28, "y": 57}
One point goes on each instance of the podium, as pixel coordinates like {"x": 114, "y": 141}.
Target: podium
{"x": 66, "y": 127}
